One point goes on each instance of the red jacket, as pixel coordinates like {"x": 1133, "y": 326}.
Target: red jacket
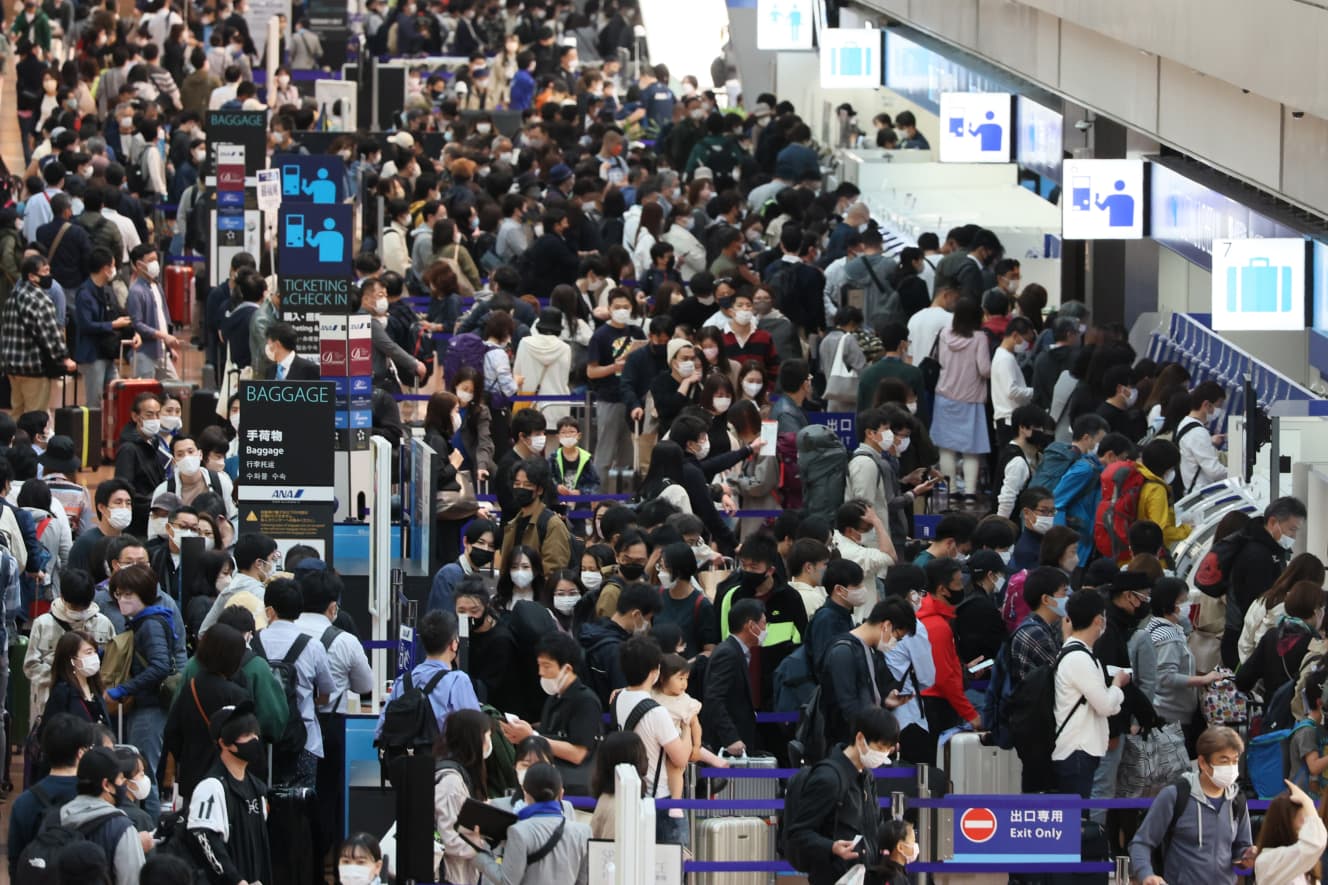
{"x": 949, "y": 684}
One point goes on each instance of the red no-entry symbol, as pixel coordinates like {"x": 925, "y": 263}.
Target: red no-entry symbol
{"x": 978, "y": 824}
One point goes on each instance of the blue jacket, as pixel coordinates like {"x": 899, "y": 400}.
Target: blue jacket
{"x": 522, "y": 91}
{"x": 1077, "y": 496}
{"x": 90, "y": 321}
{"x": 154, "y": 638}
{"x": 141, "y": 308}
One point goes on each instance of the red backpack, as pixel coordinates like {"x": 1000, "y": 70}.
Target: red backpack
{"x": 1119, "y": 508}
{"x": 790, "y": 478}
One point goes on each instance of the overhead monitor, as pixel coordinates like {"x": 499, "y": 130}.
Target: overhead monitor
{"x": 1259, "y": 284}
{"x": 1103, "y": 200}
{"x": 975, "y": 127}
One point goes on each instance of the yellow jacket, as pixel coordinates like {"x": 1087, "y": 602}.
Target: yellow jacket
{"x": 1155, "y": 506}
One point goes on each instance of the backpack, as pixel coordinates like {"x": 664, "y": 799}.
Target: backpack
{"x": 1119, "y": 509}
{"x": 809, "y": 739}
{"x": 823, "y": 469}
{"x": 1056, "y": 460}
{"x": 996, "y": 702}
{"x": 409, "y": 724}
{"x": 500, "y": 767}
{"x": 1182, "y": 801}
{"x": 1032, "y": 709}
{"x": 283, "y": 670}
{"x": 172, "y": 836}
{"x": 36, "y": 865}
{"x": 794, "y": 682}
{"x": 1266, "y": 758}
{"x": 793, "y": 796}
{"x": 466, "y": 349}
{"x": 1014, "y": 609}
{"x": 1213, "y": 576}
{"x": 644, "y": 706}
{"x": 498, "y": 401}
{"x": 598, "y": 675}
{"x": 789, "y": 489}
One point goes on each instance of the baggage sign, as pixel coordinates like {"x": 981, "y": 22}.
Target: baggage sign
{"x": 1260, "y": 284}
{"x": 1043, "y": 829}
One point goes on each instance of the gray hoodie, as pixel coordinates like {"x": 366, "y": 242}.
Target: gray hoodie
{"x": 1205, "y": 843}
{"x": 118, "y": 839}
{"x": 240, "y": 583}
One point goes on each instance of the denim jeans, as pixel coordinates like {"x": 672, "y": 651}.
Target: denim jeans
{"x": 1104, "y": 780}
{"x": 143, "y": 728}
{"x": 1074, "y": 774}
{"x": 95, "y": 375}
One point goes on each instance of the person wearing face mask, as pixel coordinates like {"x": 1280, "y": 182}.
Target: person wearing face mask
{"x": 899, "y": 848}
{"x": 854, "y": 670}
{"x": 637, "y": 606}
{"x": 1037, "y": 509}
{"x": 692, "y": 434}
{"x": 284, "y": 364}
{"x": 31, "y": 343}
{"x": 93, "y": 813}
{"x": 944, "y": 701}
{"x": 874, "y": 476}
{"x": 136, "y": 460}
{"x": 254, "y": 566}
{"x": 1200, "y": 462}
{"x": 1035, "y": 643}
{"x": 683, "y": 603}
{"x": 978, "y": 627}
{"x": 1008, "y": 390}
{"x": 758, "y": 578}
{"x": 1260, "y": 555}
{"x": 160, "y": 350}
{"x": 534, "y": 525}
{"x": 186, "y": 735}
{"x": 1157, "y": 465}
{"x": 1177, "y": 685}
{"x": 227, "y": 823}
{"x": 680, "y": 386}
{"x": 189, "y": 478}
{"x": 1018, "y": 459}
{"x": 458, "y": 776}
{"x": 390, "y": 361}
{"x": 572, "y": 717}
{"x": 835, "y": 813}
{"x": 1211, "y": 832}
{"x": 164, "y": 550}
{"x": 1085, "y": 698}
{"x": 75, "y": 608}
{"x": 476, "y": 559}
{"x": 631, "y": 551}
{"x": 1119, "y": 408}
{"x": 113, "y": 513}
{"x": 65, "y": 738}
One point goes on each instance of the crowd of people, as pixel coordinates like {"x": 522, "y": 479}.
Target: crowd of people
{"x": 671, "y": 272}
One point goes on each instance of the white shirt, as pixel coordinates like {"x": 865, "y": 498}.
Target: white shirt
{"x": 719, "y": 320}
{"x": 313, "y": 676}
{"x": 912, "y": 653}
{"x": 221, "y": 95}
{"x": 874, "y": 565}
{"x": 923, "y": 327}
{"x": 346, "y": 661}
{"x": 1008, "y": 390}
{"x": 835, "y": 276}
{"x": 656, "y": 730}
{"x": 1015, "y": 479}
{"x": 1080, "y": 676}
{"x": 1199, "y": 461}
{"x": 129, "y": 238}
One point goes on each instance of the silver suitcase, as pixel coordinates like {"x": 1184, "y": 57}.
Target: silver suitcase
{"x": 734, "y": 839}
{"x": 750, "y": 788}
{"x": 973, "y": 769}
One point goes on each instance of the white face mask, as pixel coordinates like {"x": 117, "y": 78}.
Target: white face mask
{"x": 1287, "y": 542}
{"x": 488, "y": 747}
{"x": 354, "y": 874}
{"x": 910, "y": 851}
{"x": 1183, "y": 614}
{"x": 189, "y": 465}
{"x": 872, "y": 758}
{"x": 171, "y": 422}
{"x": 620, "y": 316}
{"x": 704, "y": 451}
{"x": 887, "y": 643}
{"x": 566, "y": 604}
{"x": 271, "y": 353}
{"x": 380, "y": 306}
{"x": 223, "y": 583}
{"x": 552, "y": 686}
{"x": 1021, "y": 346}
{"x": 686, "y": 368}
{"x": 752, "y": 388}
{"x": 568, "y": 442}
{"x": 235, "y": 421}
{"x": 89, "y": 664}
{"x": 1224, "y": 776}
{"x": 913, "y": 407}
{"x": 153, "y": 269}
{"x": 856, "y": 596}
{"x": 1043, "y": 524}
{"x": 589, "y": 580}
{"x": 887, "y": 440}
{"x": 1170, "y": 476}
{"x": 665, "y": 579}
{"x": 139, "y": 787}
{"x": 901, "y": 445}
{"x": 742, "y": 317}
{"x": 483, "y": 128}
{"x": 464, "y": 397}
{"x": 703, "y": 553}
{"x": 1006, "y": 555}
{"x": 456, "y": 421}
{"x": 523, "y": 578}
{"x": 156, "y": 526}
{"x": 120, "y": 517}
{"x": 1131, "y": 397}
{"x": 152, "y": 426}
{"x": 537, "y": 442}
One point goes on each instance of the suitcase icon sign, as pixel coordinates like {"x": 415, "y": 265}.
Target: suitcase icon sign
{"x": 1258, "y": 288}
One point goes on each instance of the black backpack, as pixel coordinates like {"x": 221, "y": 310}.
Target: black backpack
{"x": 36, "y": 865}
{"x": 1032, "y": 709}
{"x": 792, "y": 799}
{"x": 809, "y": 739}
{"x": 293, "y": 738}
{"x": 409, "y": 724}
{"x": 1159, "y": 854}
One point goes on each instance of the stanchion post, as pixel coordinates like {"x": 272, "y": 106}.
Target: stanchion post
{"x": 1122, "y": 869}
{"x": 897, "y": 805}
{"x": 924, "y": 823}
{"x": 689, "y": 782}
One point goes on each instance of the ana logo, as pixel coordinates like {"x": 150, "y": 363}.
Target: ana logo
{"x": 288, "y": 493}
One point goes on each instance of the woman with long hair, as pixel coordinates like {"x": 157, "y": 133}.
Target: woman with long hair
{"x": 752, "y": 385}
{"x": 717, "y": 399}
{"x": 466, "y": 741}
{"x": 959, "y": 422}
{"x": 211, "y": 577}
{"x": 442, "y": 433}
{"x": 1291, "y": 840}
{"x": 75, "y": 681}
{"x": 648, "y": 233}
{"x": 493, "y": 648}
{"x": 617, "y": 748}
{"x": 1268, "y": 610}
{"x": 664, "y": 478}
{"x": 477, "y": 444}
{"x": 710, "y": 343}
{"x": 758, "y": 474}
{"x": 186, "y": 737}
{"x": 522, "y": 577}
{"x": 1283, "y": 649}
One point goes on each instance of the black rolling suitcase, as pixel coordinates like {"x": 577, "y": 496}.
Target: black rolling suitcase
{"x": 290, "y": 822}
{"x": 83, "y": 426}
{"x": 413, "y": 777}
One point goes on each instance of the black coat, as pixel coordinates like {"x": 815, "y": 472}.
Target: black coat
{"x": 1276, "y": 659}
{"x": 301, "y": 369}
{"x": 551, "y": 262}
{"x": 728, "y": 712}
{"x": 1112, "y": 650}
{"x": 838, "y": 802}
{"x": 136, "y": 463}
{"x": 65, "y": 697}
{"x": 847, "y": 684}
{"x": 186, "y": 734}
{"x": 1255, "y": 568}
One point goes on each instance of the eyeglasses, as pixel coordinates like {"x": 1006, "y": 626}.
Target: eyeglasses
{"x": 1044, "y": 511}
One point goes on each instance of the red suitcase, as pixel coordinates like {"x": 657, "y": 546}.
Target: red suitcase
{"x": 117, "y": 409}
{"x": 180, "y": 293}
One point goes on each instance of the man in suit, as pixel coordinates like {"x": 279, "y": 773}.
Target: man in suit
{"x": 728, "y": 712}
{"x": 285, "y": 364}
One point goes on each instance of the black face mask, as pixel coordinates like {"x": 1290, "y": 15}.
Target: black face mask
{"x": 659, "y": 349}
{"x": 632, "y": 571}
{"x": 1041, "y": 439}
{"x": 750, "y": 581}
{"x": 254, "y": 754}
{"x": 44, "y": 281}
{"x": 476, "y": 625}
{"x": 523, "y": 497}
{"x": 480, "y": 557}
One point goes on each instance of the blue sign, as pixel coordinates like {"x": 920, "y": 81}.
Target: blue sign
{"x": 230, "y": 199}
{"x": 314, "y": 240}
{"x": 312, "y": 178}
{"x": 1259, "y": 285}
{"x": 230, "y": 220}
{"x": 1041, "y": 830}
{"x": 976, "y": 127}
{"x": 1187, "y": 217}
{"x": 1105, "y": 200}
{"x": 844, "y": 424}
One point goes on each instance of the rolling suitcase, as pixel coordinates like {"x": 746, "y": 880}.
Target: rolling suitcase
{"x": 117, "y": 408}
{"x": 749, "y": 787}
{"x": 83, "y": 426}
{"x": 201, "y": 412}
{"x": 180, "y": 293}
{"x": 290, "y": 820}
{"x": 979, "y": 770}
{"x": 734, "y": 839}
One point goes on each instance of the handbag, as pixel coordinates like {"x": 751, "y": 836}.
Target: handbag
{"x": 930, "y": 367}
{"x": 841, "y": 383}
{"x": 457, "y": 503}
{"x": 1150, "y": 761}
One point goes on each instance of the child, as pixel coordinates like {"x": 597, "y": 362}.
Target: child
{"x": 1306, "y": 760}
{"x": 661, "y": 269}
{"x": 899, "y": 847}
{"x": 73, "y": 610}
{"x": 572, "y": 470}
{"x": 670, "y": 692}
